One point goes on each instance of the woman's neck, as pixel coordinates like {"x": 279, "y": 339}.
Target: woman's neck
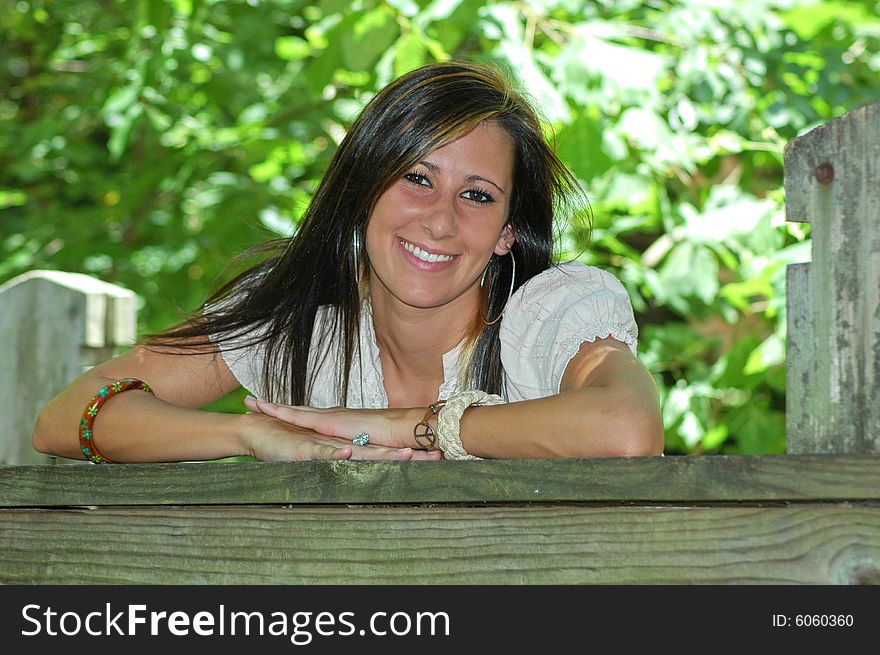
{"x": 412, "y": 342}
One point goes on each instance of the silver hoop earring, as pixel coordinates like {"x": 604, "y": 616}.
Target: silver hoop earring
{"x": 509, "y": 293}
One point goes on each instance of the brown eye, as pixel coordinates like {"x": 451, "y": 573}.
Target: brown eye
{"x": 478, "y": 196}
{"x": 417, "y": 179}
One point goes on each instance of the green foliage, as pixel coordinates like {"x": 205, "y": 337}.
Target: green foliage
{"x": 148, "y": 142}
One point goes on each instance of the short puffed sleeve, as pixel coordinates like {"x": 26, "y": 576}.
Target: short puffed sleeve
{"x": 548, "y": 319}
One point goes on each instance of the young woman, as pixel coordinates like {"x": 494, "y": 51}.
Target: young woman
{"x": 417, "y": 313}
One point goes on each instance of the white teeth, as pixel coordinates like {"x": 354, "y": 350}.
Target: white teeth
{"x": 424, "y": 256}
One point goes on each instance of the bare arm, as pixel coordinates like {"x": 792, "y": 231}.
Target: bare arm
{"x": 608, "y": 405}
{"x": 136, "y": 426}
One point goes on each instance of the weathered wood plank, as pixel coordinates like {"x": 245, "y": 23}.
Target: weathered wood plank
{"x": 801, "y": 544}
{"x": 831, "y": 180}
{"x": 800, "y": 352}
{"x": 612, "y": 480}
{"x": 53, "y": 325}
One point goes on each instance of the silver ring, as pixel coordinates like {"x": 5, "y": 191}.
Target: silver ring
{"x": 361, "y": 440}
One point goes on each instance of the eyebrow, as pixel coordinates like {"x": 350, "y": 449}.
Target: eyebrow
{"x": 470, "y": 178}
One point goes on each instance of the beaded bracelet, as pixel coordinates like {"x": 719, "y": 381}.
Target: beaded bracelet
{"x": 86, "y": 424}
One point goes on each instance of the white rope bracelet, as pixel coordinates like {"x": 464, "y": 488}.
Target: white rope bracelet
{"x": 449, "y": 420}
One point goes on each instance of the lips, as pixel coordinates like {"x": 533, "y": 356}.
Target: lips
{"x": 423, "y": 255}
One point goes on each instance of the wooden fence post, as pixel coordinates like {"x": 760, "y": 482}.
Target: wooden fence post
{"x": 53, "y": 326}
{"x": 832, "y": 180}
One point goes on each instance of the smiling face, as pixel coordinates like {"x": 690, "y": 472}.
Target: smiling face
{"x": 432, "y": 232}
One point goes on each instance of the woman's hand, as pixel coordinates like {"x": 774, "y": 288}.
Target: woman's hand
{"x": 390, "y": 430}
{"x": 271, "y": 438}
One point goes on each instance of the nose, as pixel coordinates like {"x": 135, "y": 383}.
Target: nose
{"x": 440, "y": 219}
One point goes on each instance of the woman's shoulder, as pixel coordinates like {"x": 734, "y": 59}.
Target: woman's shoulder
{"x": 551, "y": 315}
{"x": 569, "y": 280}
{"x": 569, "y": 300}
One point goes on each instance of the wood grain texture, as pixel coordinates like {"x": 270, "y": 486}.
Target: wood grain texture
{"x": 800, "y": 355}
{"x": 831, "y": 180}
{"x": 805, "y": 544}
{"x": 711, "y": 479}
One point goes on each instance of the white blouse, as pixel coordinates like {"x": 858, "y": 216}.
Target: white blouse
{"x": 544, "y": 324}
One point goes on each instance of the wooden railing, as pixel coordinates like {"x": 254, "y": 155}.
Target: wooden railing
{"x": 811, "y": 516}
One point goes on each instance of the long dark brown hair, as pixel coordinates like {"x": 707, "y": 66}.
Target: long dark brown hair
{"x": 274, "y": 302}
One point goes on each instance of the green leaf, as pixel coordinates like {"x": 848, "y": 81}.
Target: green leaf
{"x": 809, "y": 18}
{"x": 581, "y": 146}
{"x": 771, "y": 352}
{"x": 292, "y": 48}
{"x": 506, "y": 27}
{"x": 121, "y": 100}
{"x": 409, "y": 53}
{"x": 757, "y": 429}
{"x": 372, "y": 34}
{"x": 121, "y": 131}
{"x": 629, "y": 74}
{"x": 12, "y": 198}
{"x": 689, "y": 270}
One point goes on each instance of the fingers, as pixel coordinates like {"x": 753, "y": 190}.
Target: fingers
{"x": 428, "y": 455}
{"x": 345, "y": 450}
{"x": 270, "y": 439}
{"x": 265, "y": 407}
{"x": 374, "y": 453}
{"x": 333, "y": 452}
{"x": 252, "y": 404}
{"x": 304, "y": 417}
{"x": 397, "y": 454}
{"x": 332, "y": 421}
